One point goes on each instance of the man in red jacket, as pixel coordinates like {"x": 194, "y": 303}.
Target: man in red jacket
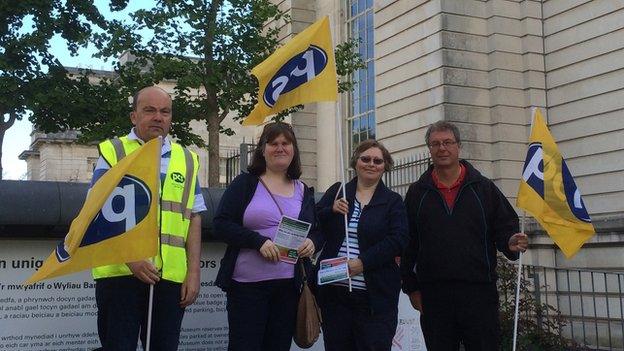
{"x": 458, "y": 219}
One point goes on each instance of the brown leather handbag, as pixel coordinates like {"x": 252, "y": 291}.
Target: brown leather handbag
{"x": 309, "y": 318}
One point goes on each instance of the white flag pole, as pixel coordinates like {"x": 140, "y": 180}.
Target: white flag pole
{"x": 344, "y": 183}
{"x": 515, "y": 333}
{"x": 150, "y": 306}
{"x": 149, "y": 317}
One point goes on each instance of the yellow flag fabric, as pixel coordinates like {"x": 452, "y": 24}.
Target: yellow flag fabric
{"x": 303, "y": 70}
{"x": 118, "y": 222}
{"x": 548, "y": 191}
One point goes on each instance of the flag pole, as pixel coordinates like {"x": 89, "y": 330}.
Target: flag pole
{"x": 515, "y": 333}
{"x": 149, "y": 318}
{"x": 517, "y": 305}
{"x": 343, "y": 179}
{"x": 150, "y": 306}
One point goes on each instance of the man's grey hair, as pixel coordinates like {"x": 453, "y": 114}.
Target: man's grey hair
{"x": 441, "y": 126}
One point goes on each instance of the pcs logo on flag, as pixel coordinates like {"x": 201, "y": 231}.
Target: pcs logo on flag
{"x": 297, "y": 71}
{"x": 126, "y": 206}
{"x": 533, "y": 175}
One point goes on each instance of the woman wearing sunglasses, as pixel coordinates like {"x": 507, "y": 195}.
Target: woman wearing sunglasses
{"x": 364, "y": 318}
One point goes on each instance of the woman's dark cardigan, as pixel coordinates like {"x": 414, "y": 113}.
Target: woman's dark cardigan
{"x": 228, "y": 226}
{"x": 382, "y": 236}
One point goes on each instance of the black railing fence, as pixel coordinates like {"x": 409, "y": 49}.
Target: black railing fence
{"x": 405, "y": 172}
{"x": 590, "y": 302}
{"x": 237, "y": 161}
{"x": 582, "y": 305}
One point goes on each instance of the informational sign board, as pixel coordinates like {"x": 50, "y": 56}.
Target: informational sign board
{"x": 60, "y": 314}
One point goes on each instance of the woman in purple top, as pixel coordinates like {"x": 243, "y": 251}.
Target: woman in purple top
{"x": 262, "y": 292}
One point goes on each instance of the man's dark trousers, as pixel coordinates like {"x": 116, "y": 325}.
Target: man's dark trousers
{"x": 122, "y": 313}
{"x": 460, "y": 311}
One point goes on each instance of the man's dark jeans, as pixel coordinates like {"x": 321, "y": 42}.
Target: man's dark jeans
{"x": 455, "y": 312}
{"x": 122, "y": 313}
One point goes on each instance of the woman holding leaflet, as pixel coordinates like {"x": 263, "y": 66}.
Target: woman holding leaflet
{"x": 366, "y": 317}
{"x": 262, "y": 291}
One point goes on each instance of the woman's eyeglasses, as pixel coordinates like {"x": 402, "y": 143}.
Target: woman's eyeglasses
{"x": 368, "y": 159}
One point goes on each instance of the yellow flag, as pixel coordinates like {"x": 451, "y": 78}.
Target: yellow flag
{"x": 548, "y": 191}
{"x": 118, "y": 222}
{"x": 303, "y": 70}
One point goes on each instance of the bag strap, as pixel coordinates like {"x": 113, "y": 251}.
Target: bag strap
{"x": 304, "y": 276}
{"x": 272, "y": 197}
{"x": 303, "y": 272}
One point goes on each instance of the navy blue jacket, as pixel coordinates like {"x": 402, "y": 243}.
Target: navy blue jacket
{"x": 228, "y": 226}
{"x": 457, "y": 244}
{"x": 382, "y": 236}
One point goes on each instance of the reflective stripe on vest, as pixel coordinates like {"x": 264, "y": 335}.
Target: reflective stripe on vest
{"x": 175, "y": 207}
{"x": 172, "y": 240}
{"x": 174, "y": 216}
{"x": 119, "y": 149}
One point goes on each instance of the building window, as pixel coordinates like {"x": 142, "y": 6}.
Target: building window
{"x": 361, "y": 101}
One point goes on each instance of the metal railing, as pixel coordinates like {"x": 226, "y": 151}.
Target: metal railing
{"x": 590, "y": 303}
{"x": 238, "y": 161}
{"x": 405, "y": 172}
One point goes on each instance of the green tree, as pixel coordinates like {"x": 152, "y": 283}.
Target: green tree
{"x": 96, "y": 107}
{"x": 25, "y": 35}
{"x": 207, "y": 48}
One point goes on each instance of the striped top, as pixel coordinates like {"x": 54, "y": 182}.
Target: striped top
{"x": 357, "y": 281}
{"x": 102, "y": 166}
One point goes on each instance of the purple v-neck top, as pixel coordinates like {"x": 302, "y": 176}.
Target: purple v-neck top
{"x": 263, "y": 216}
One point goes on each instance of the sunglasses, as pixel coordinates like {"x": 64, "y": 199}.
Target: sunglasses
{"x": 368, "y": 159}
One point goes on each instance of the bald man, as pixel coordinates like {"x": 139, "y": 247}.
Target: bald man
{"x": 122, "y": 290}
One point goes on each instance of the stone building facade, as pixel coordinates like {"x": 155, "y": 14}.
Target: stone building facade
{"x": 484, "y": 64}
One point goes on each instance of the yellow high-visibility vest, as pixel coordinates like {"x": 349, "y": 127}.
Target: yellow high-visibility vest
{"x": 176, "y": 202}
